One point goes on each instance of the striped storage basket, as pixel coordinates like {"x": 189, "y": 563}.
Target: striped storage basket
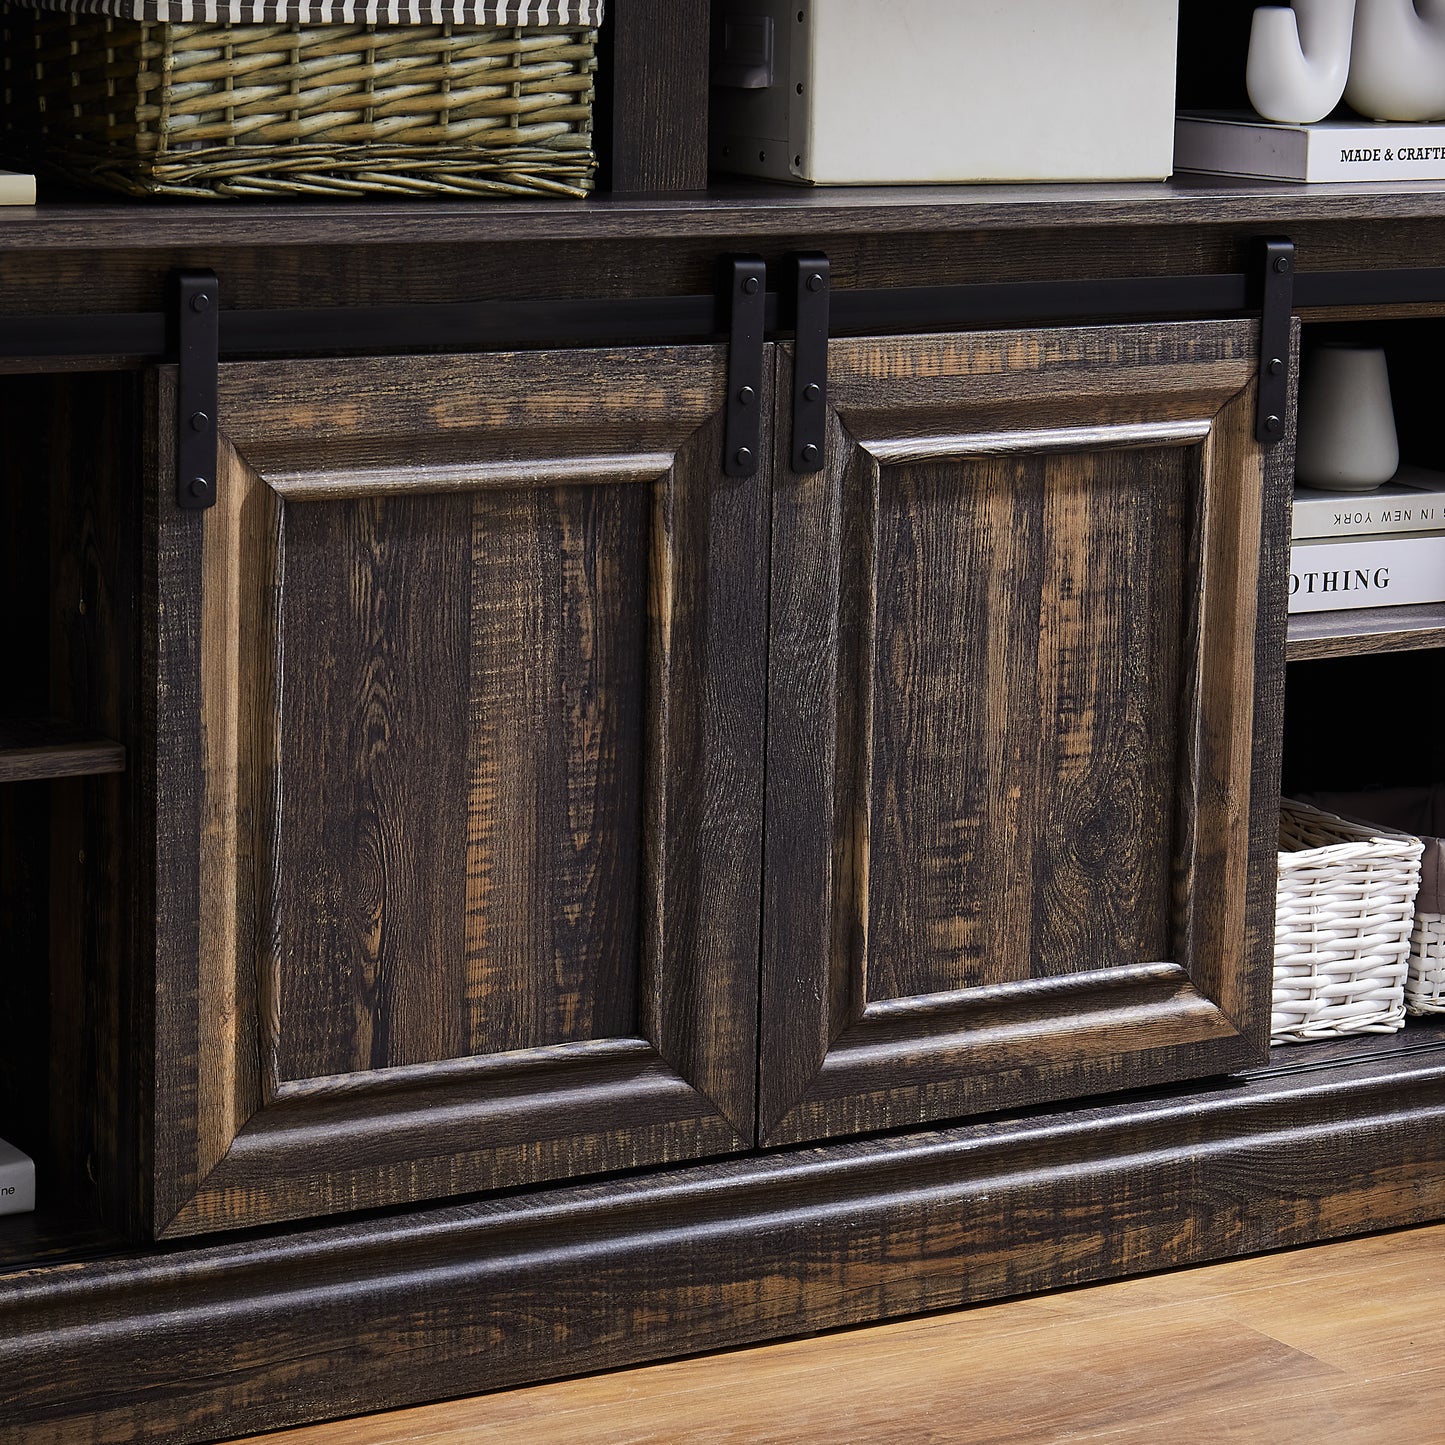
{"x": 317, "y": 97}
{"x": 1343, "y": 918}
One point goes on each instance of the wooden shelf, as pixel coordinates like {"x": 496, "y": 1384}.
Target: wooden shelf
{"x": 51, "y": 1236}
{"x": 1343, "y": 1139}
{"x": 31, "y": 749}
{"x": 751, "y": 208}
{"x": 1368, "y": 630}
{"x": 1421, "y": 1033}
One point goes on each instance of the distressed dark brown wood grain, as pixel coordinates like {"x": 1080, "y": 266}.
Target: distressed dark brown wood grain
{"x": 559, "y": 651}
{"x": 353, "y": 269}
{"x": 732, "y": 207}
{"x": 373, "y": 692}
{"x": 434, "y": 870}
{"x": 477, "y": 800}
{"x": 31, "y": 750}
{"x": 651, "y": 110}
{"x": 274, "y": 1329}
{"x": 1026, "y": 612}
{"x": 1019, "y": 609}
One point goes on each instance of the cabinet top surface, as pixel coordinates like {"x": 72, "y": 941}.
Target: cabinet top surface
{"x": 753, "y": 210}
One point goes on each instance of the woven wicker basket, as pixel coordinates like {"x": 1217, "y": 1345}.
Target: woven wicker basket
{"x": 1425, "y": 984}
{"x": 304, "y": 104}
{"x": 1418, "y": 810}
{"x": 1342, "y": 926}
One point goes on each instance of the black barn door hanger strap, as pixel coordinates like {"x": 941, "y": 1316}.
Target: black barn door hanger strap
{"x": 197, "y": 341}
{"x": 1276, "y": 309}
{"x": 747, "y": 283}
{"x": 810, "y": 362}
{"x": 196, "y": 320}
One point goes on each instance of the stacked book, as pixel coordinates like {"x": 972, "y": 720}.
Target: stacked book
{"x": 17, "y": 1181}
{"x": 16, "y": 189}
{"x": 1240, "y": 143}
{"x": 1384, "y": 548}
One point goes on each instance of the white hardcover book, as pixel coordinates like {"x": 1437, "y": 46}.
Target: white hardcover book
{"x": 1238, "y": 143}
{"x": 1413, "y": 502}
{"x": 17, "y": 1180}
{"x": 1326, "y": 575}
{"x": 16, "y": 189}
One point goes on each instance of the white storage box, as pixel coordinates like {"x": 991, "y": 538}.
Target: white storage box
{"x": 853, "y": 92}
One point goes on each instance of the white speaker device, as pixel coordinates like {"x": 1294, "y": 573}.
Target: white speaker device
{"x": 855, "y": 92}
{"x": 17, "y": 1180}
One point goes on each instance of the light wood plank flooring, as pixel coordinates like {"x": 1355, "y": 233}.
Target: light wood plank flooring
{"x": 1340, "y": 1343}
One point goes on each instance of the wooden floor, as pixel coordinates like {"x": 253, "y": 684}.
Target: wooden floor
{"x": 1339, "y": 1343}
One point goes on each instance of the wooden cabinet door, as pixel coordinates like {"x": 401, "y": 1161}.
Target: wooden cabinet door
{"x": 1026, "y": 644}
{"x": 458, "y": 717}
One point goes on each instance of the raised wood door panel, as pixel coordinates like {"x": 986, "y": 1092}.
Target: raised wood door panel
{"x": 459, "y": 697}
{"x": 1017, "y": 818}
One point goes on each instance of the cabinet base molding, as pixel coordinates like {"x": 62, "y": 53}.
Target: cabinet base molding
{"x": 267, "y": 1330}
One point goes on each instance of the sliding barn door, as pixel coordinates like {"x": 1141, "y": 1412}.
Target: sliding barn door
{"x": 1026, "y": 638}
{"x": 459, "y": 696}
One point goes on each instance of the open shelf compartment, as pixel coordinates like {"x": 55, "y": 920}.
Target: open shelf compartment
{"x": 1411, "y": 347}
{"x": 32, "y": 748}
{"x": 1365, "y": 631}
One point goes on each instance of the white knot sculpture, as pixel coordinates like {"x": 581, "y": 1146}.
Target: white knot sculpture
{"x": 1385, "y": 57}
{"x": 1299, "y": 60}
{"x": 1397, "y": 64}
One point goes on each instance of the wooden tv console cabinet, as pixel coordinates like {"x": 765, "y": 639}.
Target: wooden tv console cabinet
{"x": 519, "y": 891}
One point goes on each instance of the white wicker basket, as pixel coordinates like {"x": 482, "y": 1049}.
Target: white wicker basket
{"x": 1425, "y": 985}
{"x": 1342, "y": 926}
{"x": 1418, "y": 810}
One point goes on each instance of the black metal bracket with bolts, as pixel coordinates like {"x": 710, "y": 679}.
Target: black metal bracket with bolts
{"x": 810, "y": 361}
{"x": 198, "y": 354}
{"x": 1274, "y": 341}
{"x": 196, "y": 331}
{"x": 747, "y": 325}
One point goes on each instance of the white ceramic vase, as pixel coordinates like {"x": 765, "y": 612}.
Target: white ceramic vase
{"x": 1397, "y": 62}
{"x": 1299, "y": 59}
{"x": 1385, "y": 57}
{"x": 1347, "y": 440}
